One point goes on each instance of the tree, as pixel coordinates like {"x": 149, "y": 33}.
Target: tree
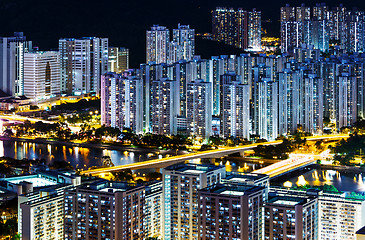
{"x": 107, "y": 161}
{"x": 8, "y": 132}
{"x": 6, "y": 169}
{"x": 153, "y": 176}
{"x": 329, "y": 188}
{"x": 61, "y": 165}
{"x": 124, "y": 175}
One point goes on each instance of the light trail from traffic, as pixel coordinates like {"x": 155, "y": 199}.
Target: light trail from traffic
{"x": 205, "y": 154}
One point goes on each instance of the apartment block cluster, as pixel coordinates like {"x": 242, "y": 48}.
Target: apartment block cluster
{"x": 322, "y": 27}
{"x": 192, "y": 201}
{"x": 74, "y": 69}
{"x": 250, "y": 95}
{"x": 239, "y": 28}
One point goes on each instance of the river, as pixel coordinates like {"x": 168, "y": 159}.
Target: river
{"x": 78, "y": 157}
{"x": 83, "y": 158}
{"x": 343, "y": 181}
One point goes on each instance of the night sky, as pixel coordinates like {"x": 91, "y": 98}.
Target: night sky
{"x": 125, "y": 22}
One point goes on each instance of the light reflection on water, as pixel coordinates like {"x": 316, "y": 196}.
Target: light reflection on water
{"x": 346, "y": 182}
{"x": 233, "y": 165}
{"x": 77, "y": 156}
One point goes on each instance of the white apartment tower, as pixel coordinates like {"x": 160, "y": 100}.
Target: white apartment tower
{"x": 42, "y": 217}
{"x": 346, "y": 101}
{"x": 181, "y": 183}
{"x": 131, "y": 103}
{"x": 254, "y": 30}
{"x": 199, "y": 108}
{"x": 234, "y": 108}
{"x": 152, "y": 219}
{"x": 41, "y": 75}
{"x": 110, "y": 100}
{"x": 313, "y": 104}
{"x": 12, "y": 50}
{"x": 268, "y": 109}
{"x": 339, "y": 217}
{"x": 122, "y": 102}
{"x": 164, "y": 106}
{"x": 184, "y": 37}
{"x": 157, "y": 41}
{"x": 82, "y": 62}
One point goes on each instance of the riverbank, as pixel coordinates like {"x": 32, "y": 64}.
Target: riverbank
{"x": 89, "y": 145}
{"x": 344, "y": 169}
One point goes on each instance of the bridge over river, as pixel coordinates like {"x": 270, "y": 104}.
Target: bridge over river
{"x": 272, "y": 170}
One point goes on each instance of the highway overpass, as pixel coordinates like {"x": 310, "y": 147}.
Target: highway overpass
{"x": 294, "y": 162}
{"x": 164, "y": 162}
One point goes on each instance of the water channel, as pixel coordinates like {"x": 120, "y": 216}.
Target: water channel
{"x": 81, "y": 157}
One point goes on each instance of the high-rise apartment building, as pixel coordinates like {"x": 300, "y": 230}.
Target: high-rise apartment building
{"x": 164, "y": 106}
{"x": 288, "y": 118}
{"x": 267, "y": 109}
{"x": 346, "y": 101}
{"x": 291, "y": 217}
{"x": 82, "y": 62}
{"x": 228, "y": 26}
{"x": 42, "y": 217}
{"x": 12, "y": 50}
{"x": 306, "y": 52}
{"x": 157, "y": 41}
{"x": 122, "y": 101}
{"x": 340, "y": 217}
{"x": 234, "y": 107}
{"x": 254, "y": 30}
{"x": 184, "y": 41}
{"x": 180, "y": 201}
{"x": 255, "y": 179}
{"x": 41, "y": 75}
{"x": 294, "y": 24}
{"x": 152, "y": 219}
{"x": 238, "y": 28}
{"x": 105, "y": 210}
{"x": 131, "y": 103}
{"x": 228, "y": 211}
{"x": 109, "y": 96}
{"x": 40, "y": 202}
{"x": 199, "y": 108}
{"x": 118, "y": 59}
{"x": 312, "y": 117}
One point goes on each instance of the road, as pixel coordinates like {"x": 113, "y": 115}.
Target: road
{"x": 22, "y": 119}
{"x": 182, "y": 158}
{"x": 295, "y": 161}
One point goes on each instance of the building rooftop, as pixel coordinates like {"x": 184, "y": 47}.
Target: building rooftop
{"x": 361, "y": 231}
{"x": 232, "y": 190}
{"x": 108, "y": 186}
{"x": 195, "y": 169}
{"x": 36, "y": 180}
{"x": 287, "y": 201}
{"x": 41, "y": 180}
{"x": 245, "y": 177}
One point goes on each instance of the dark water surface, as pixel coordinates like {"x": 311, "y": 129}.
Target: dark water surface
{"x": 79, "y": 157}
